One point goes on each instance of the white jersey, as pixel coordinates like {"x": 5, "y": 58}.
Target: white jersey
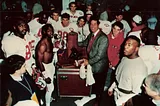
{"x": 83, "y": 32}
{"x": 63, "y": 32}
{"x": 73, "y": 17}
{"x": 53, "y": 22}
{"x": 12, "y": 44}
{"x": 105, "y": 26}
{"x": 151, "y": 57}
{"x": 35, "y": 29}
{"x": 126, "y": 27}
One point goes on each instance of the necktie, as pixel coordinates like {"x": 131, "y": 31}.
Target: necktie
{"x": 90, "y": 43}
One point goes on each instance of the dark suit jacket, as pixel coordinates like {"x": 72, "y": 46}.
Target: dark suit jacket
{"x": 140, "y": 100}
{"x": 97, "y": 56}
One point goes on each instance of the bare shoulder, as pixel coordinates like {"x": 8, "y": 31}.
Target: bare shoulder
{"x": 42, "y": 45}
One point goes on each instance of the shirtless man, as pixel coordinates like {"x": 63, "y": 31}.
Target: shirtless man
{"x": 44, "y": 57}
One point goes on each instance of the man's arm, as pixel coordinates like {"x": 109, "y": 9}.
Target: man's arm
{"x": 41, "y": 50}
{"x": 111, "y": 88}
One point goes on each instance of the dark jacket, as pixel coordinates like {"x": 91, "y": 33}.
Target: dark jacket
{"x": 18, "y": 91}
{"x": 141, "y": 100}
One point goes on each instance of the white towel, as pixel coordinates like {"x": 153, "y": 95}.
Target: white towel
{"x": 89, "y": 80}
{"x": 76, "y": 62}
{"x": 88, "y": 75}
{"x": 82, "y": 72}
{"x": 55, "y": 57}
{"x": 84, "y": 100}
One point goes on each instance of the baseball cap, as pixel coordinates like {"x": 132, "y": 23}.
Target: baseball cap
{"x": 89, "y": 13}
{"x": 152, "y": 21}
{"x": 137, "y": 19}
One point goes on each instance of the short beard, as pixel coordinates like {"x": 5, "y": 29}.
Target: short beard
{"x": 21, "y": 35}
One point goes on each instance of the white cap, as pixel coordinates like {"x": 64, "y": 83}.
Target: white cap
{"x": 137, "y": 19}
{"x": 89, "y": 12}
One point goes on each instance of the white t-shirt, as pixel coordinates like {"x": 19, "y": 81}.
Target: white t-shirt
{"x": 73, "y": 17}
{"x": 130, "y": 74}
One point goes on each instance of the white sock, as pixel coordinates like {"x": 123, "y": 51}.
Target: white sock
{"x": 41, "y": 101}
{"x": 84, "y": 100}
{"x": 78, "y": 102}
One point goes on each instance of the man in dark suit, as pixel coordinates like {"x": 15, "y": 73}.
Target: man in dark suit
{"x": 97, "y": 44}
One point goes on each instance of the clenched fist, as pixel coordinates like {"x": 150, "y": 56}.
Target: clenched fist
{"x": 48, "y": 80}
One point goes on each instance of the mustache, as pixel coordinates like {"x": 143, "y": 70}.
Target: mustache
{"x": 24, "y": 30}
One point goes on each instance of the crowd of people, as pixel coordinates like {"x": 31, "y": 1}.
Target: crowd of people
{"x": 124, "y": 53}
